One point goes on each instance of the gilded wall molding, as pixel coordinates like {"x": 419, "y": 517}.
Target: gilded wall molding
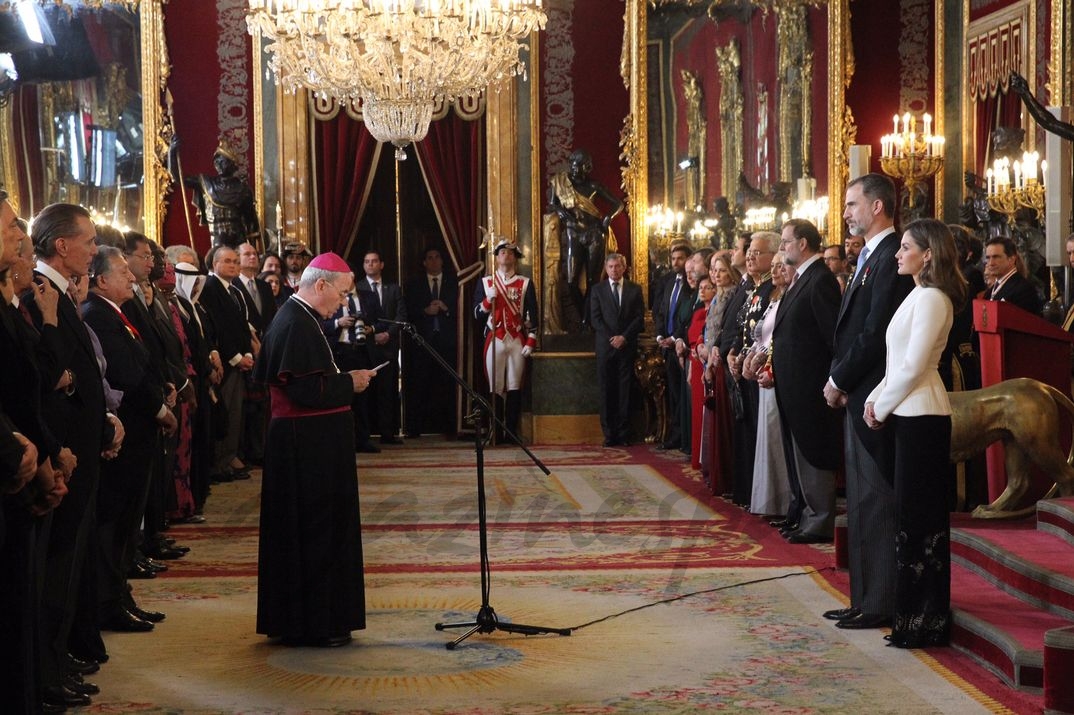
{"x": 1061, "y": 62}
{"x": 295, "y": 151}
{"x": 157, "y": 129}
{"x": 729, "y": 65}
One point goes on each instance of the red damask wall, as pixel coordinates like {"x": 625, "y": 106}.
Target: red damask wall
{"x": 210, "y": 61}
{"x": 584, "y": 108}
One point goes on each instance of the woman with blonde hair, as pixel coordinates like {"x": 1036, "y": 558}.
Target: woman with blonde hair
{"x": 912, "y": 400}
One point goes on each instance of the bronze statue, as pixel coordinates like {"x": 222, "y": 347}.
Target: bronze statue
{"x": 1027, "y": 416}
{"x": 225, "y": 202}
{"x": 584, "y": 233}
{"x": 1046, "y": 119}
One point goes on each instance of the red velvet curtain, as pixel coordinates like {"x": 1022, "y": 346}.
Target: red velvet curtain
{"x": 29, "y": 158}
{"x": 452, "y": 161}
{"x": 346, "y": 154}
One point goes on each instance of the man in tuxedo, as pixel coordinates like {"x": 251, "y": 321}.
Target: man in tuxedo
{"x": 801, "y": 358}
{"x": 230, "y": 331}
{"x": 384, "y": 395}
{"x": 430, "y": 392}
{"x": 349, "y": 332}
{"x": 869, "y": 301}
{"x": 260, "y": 308}
{"x": 669, "y": 294}
{"x": 1008, "y": 283}
{"x": 616, "y": 312}
{"x": 64, "y": 242}
{"x": 145, "y": 413}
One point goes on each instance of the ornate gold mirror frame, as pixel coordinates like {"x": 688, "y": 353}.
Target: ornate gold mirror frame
{"x": 156, "y": 126}
{"x": 635, "y": 135}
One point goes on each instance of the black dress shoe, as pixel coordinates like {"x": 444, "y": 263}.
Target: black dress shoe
{"x": 611, "y": 443}
{"x": 803, "y": 538}
{"x": 166, "y": 553}
{"x": 238, "y": 475}
{"x": 787, "y": 531}
{"x": 390, "y": 440}
{"x": 780, "y": 523}
{"x": 76, "y": 684}
{"x": 140, "y": 571}
{"x": 151, "y": 616}
{"x": 153, "y": 565}
{"x": 83, "y": 667}
{"x": 368, "y": 448}
{"x": 126, "y": 622}
{"x": 840, "y": 614}
{"x": 192, "y": 519}
{"x": 59, "y": 695}
{"x": 864, "y": 621}
{"x": 47, "y": 708}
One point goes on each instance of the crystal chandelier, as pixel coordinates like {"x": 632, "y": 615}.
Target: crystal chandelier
{"x": 398, "y": 57}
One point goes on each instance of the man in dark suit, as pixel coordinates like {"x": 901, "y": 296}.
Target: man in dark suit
{"x": 350, "y": 333}
{"x": 1008, "y": 284}
{"x": 801, "y": 358}
{"x": 669, "y": 294}
{"x": 64, "y": 241}
{"x": 145, "y": 413}
{"x": 869, "y": 301}
{"x": 260, "y": 309}
{"x": 431, "y": 300}
{"x": 231, "y": 333}
{"x": 384, "y": 392}
{"x": 616, "y": 312}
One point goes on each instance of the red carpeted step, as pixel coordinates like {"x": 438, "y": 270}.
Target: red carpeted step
{"x": 1056, "y": 517}
{"x": 1003, "y": 633}
{"x": 1031, "y": 565}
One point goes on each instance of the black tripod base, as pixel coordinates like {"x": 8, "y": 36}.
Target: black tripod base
{"x": 486, "y": 622}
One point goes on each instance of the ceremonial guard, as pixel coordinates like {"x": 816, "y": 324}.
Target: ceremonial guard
{"x": 507, "y": 304}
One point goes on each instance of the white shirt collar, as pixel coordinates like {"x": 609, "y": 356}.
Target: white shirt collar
{"x": 53, "y": 275}
{"x": 808, "y": 262}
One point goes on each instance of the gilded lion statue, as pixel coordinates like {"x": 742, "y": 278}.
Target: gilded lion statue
{"x": 1025, "y": 415}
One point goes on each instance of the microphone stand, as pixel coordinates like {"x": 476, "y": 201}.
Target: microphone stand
{"x": 485, "y": 621}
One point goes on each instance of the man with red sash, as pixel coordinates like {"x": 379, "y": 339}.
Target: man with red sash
{"x": 310, "y": 588}
{"x": 507, "y": 303}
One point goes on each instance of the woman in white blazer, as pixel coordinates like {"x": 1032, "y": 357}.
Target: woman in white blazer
{"x": 911, "y": 400}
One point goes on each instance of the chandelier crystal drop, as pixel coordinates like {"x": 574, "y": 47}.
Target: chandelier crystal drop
{"x": 397, "y": 57}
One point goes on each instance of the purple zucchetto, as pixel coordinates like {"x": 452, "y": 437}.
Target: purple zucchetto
{"x": 330, "y": 262}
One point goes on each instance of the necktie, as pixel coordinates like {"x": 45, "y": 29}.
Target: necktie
{"x": 376, "y": 289}
{"x": 130, "y": 328}
{"x": 615, "y": 293}
{"x": 255, "y": 296}
{"x": 436, "y": 296}
{"x": 674, "y": 302}
{"x": 863, "y": 257}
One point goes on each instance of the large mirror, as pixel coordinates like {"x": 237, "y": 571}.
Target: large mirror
{"x": 82, "y": 119}
{"x": 736, "y": 105}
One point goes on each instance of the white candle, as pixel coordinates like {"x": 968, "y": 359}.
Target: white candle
{"x": 896, "y": 119}
{"x": 928, "y": 125}
{"x": 1043, "y": 174}
{"x": 988, "y": 183}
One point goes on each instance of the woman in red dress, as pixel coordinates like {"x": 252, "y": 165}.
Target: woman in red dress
{"x": 695, "y": 337}
{"x": 717, "y": 422}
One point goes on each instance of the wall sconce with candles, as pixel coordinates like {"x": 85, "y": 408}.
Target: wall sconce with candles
{"x": 1010, "y": 188}
{"x": 907, "y": 155}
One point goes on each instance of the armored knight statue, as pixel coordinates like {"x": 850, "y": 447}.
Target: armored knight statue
{"x": 225, "y": 201}
{"x": 583, "y": 231}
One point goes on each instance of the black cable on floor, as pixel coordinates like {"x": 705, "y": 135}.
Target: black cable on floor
{"x": 700, "y": 593}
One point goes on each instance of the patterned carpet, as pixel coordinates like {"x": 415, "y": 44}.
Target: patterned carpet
{"x": 609, "y": 532}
